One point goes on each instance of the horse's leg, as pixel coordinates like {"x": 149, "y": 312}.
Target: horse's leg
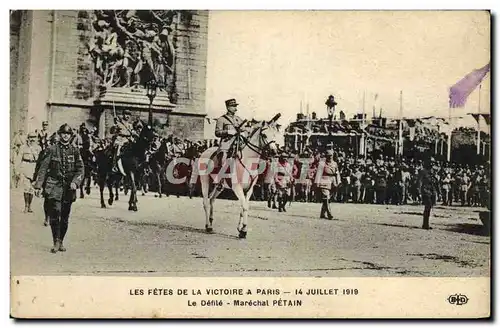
{"x": 275, "y": 199}
{"x": 117, "y": 188}
{"x": 83, "y": 182}
{"x": 158, "y": 181}
{"x": 110, "y": 189}
{"x": 213, "y": 196}
{"x": 140, "y": 183}
{"x": 207, "y": 204}
{"x": 146, "y": 183}
{"x": 81, "y": 187}
{"x": 101, "y": 182}
{"x": 133, "y": 193}
{"x": 244, "y": 200}
{"x": 89, "y": 178}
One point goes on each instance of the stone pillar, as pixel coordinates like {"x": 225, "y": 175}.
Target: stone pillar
{"x": 39, "y": 68}
{"x": 20, "y": 73}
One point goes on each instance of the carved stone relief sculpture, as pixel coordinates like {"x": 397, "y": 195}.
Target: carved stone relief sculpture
{"x": 132, "y": 47}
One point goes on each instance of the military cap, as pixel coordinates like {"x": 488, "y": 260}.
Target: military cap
{"x": 231, "y": 102}
{"x": 65, "y": 128}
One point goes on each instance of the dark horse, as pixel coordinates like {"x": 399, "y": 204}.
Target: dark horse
{"x": 105, "y": 175}
{"x": 88, "y": 163}
{"x": 132, "y": 157}
{"x": 157, "y": 163}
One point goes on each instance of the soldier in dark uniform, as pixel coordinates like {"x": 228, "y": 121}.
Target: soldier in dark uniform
{"x": 60, "y": 174}
{"x": 428, "y": 188}
{"x": 53, "y": 139}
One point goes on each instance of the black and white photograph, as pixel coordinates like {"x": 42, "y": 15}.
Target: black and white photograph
{"x": 230, "y": 144}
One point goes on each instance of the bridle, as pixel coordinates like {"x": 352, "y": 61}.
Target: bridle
{"x": 263, "y": 142}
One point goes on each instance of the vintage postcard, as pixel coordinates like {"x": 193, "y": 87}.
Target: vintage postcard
{"x": 250, "y": 164}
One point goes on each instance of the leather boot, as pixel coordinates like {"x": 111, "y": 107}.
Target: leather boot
{"x": 329, "y": 215}
{"x": 323, "y": 210}
{"x": 61, "y": 247}
{"x": 30, "y": 200}
{"x": 57, "y": 245}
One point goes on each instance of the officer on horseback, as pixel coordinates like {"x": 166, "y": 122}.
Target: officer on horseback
{"x": 124, "y": 132}
{"x": 226, "y": 125}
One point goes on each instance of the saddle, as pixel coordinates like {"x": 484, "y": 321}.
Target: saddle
{"x": 221, "y": 155}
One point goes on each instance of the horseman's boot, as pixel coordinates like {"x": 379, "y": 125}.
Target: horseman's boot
{"x": 115, "y": 159}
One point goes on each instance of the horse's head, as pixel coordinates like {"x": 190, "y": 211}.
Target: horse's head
{"x": 266, "y": 134}
{"x": 147, "y": 133}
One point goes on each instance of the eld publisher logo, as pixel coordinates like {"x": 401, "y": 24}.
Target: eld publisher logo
{"x": 458, "y": 299}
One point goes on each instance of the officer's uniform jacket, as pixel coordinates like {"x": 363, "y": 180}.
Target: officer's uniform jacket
{"x": 60, "y": 166}
{"x": 43, "y": 139}
{"x": 125, "y": 131}
{"x": 427, "y": 183}
{"x": 283, "y": 175}
{"x": 27, "y": 158}
{"x": 329, "y": 176}
{"x": 223, "y": 128}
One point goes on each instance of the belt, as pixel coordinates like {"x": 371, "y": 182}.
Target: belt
{"x": 28, "y": 161}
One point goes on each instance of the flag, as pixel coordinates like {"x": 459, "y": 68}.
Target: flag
{"x": 463, "y": 88}
{"x": 487, "y": 118}
{"x": 476, "y": 117}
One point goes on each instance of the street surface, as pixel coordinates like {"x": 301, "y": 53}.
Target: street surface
{"x": 166, "y": 237}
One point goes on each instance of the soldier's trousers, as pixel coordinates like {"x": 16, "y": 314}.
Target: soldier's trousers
{"x": 58, "y": 211}
{"x": 428, "y": 201}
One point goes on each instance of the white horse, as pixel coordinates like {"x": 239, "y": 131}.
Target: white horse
{"x": 253, "y": 143}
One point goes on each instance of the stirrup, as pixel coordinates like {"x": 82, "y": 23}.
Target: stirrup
{"x": 219, "y": 186}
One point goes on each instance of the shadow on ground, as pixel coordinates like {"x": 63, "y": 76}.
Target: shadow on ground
{"x": 467, "y": 228}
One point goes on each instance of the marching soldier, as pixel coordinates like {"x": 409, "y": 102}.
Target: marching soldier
{"x": 427, "y": 186}
{"x": 27, "y": 159}
{"x": 282, "y": 180}
{"x": 53, "y": 139}
{"x": 329, "y": 177}
{"x": 226, "y": 125}
{"x": 43, "y": 136}
{"x": 59, "y": 174}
